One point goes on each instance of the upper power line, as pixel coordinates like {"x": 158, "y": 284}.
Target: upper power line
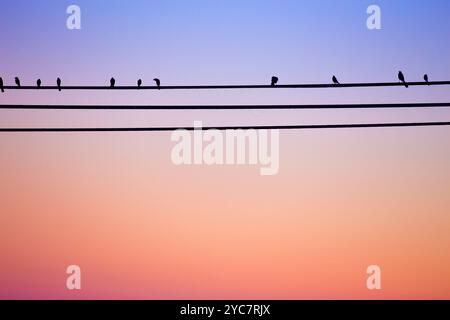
{"x": 234, "y": 86}
{"x": 274, "y": 83}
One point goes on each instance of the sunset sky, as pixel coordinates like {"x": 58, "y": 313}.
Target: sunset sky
{"x": 141, "y": 227}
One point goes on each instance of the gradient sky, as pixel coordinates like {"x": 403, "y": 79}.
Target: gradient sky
{"x": 141, "y": 227}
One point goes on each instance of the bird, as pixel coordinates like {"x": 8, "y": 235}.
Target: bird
{"x": 158, "y": 82}
{"x": 401, "y": 77}
{"x": 58, "y": 83}
{"x": 335, "y": 80}
{"x": 274, "y": 81}
{"x": 425, "y": 77}
{"x": 17, "y": 80}
{"x": 139, "y": 83}
{"x": 112, "y": 82}
{"x": 1, "y": 85}
{"x": 38, "y": 83}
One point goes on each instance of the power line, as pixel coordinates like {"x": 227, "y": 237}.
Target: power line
{"x": 235, "y": 86}
{"x": 282, "y": 127}
{"x": 229, "y": 107}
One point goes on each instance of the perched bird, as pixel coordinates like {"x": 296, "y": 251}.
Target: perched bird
{"x": 158, "y": 82}
{"x": 112, "y": 82}
{"x": 17, "y": 80}
{"x": 38, "y": 83}
{"x": 58, "y": 83}
{"x": 425, "y": 77}
{"x": 274, "y": 81}
{"x": 335, "y": 80}
{"x": 401, "y": 77}
{"x": 139, "y": 83}
{"x": 1, "y": 85}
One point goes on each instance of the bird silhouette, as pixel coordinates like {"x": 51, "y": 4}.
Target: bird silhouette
{"x": 401, "y": 77}
{"x": 274, "y": 81}
{"x": 139, "y": 83}
{"x": 112, "y": 82}
{"x": 1, "y": 85}
{"x": 58, "y": 83}
{"x": 425, "y": 77}
{"x": 17, "y": 80}
{"x": 158, "y": 82}
{"x": 38, "y": 83}
{"x": 335, "y": 80}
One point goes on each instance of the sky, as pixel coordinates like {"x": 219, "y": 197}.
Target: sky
{"x": 141, "y": 227}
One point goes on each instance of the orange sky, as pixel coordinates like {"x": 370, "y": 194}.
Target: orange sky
{"x": 141, "y": 227}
